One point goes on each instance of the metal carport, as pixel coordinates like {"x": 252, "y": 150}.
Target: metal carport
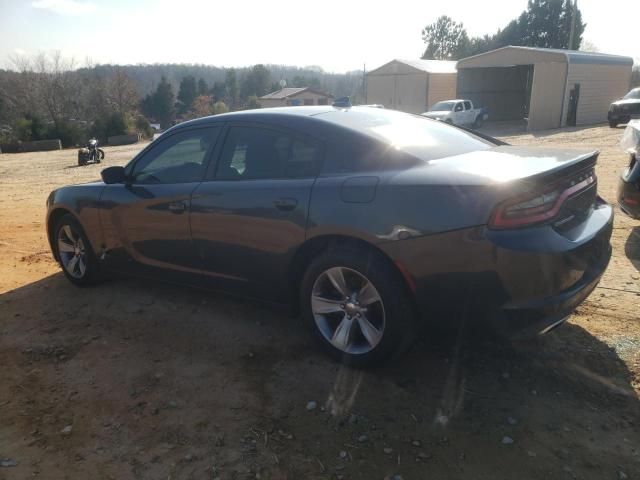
{"x": 548, "y": 87}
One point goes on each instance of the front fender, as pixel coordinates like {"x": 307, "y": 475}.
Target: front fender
{"x": 81, "y": 201}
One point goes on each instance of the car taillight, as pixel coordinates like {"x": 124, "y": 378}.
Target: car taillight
{"x": 536, "y": 207}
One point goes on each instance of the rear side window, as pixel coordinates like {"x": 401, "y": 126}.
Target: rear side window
{"x": 253, "y": 153}
{"x": 418, "y": 136}
{"x": 349, "y": 153}
{"x": 467, "y": 105}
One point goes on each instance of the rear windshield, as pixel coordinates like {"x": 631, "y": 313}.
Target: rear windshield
{"x": 443, "y": 107}
{"x": 633, "y": 94}
{"x": 419, "y": 136}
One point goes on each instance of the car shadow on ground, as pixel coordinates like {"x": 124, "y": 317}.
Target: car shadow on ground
{"x": 160, "y": 380}
{"x": 632, "y": 247}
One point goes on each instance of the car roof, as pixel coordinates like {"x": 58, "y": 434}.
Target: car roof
{"x": 247, "y": 115}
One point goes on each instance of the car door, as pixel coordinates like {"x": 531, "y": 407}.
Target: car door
{"x": 146, "y": 220}
{"x": 249, "y": 216}
{"x": 458, "y": 113}
{"x": 468, "y": 113}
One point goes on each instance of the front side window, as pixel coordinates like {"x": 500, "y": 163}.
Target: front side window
{"x": 180, "y": 158}
{"x": 443, "y": 107}
{"x": 633, "y": 94}
{"x": 252, "y": 153}
{"x": 458, "y": 107}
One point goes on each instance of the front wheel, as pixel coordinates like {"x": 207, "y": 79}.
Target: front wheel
{"x": 74, "y": 252}
{"x": 357, "y": 306}
{"x": 100, "y": 155}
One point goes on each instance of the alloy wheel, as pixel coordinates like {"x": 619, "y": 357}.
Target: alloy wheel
{"x": 72, "y": 252}
{"x": 348, "y": 310}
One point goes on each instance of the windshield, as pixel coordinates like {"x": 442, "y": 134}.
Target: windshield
{"x": 633, "y": 94}
{"x": 419, "y": 136}
{"x": 443, "y": 107}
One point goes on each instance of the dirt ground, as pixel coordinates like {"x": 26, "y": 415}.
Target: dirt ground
{"x": 137, "y": 379}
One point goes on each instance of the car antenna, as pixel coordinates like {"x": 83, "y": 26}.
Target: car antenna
{"x": 342, "y": 102}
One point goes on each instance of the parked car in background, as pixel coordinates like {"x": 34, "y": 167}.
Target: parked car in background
{"x": 623, "y": 110}
{"x": 458, "y": 112}
{"x": 629, "y": 184}
{"x": 371, "y": 221}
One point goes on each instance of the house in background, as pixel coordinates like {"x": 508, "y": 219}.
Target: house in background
{"x": 291, "y": 97}
{"x": 412, "y": 85}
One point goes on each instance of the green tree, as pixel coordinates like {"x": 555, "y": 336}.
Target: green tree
{"x": 256, "y": 82}
{"x": 160, "y": 104}
{"x": 544, "y": 24}
{"x": 231, "y": 87}
{"x": 187, "y": 92}
{"x": 203, "y": 88}
{"x": 303, "y": 81}
{"x": 445, "y": 40}
{"x": 218, "y": 90}
{"x": 22, "y": 129}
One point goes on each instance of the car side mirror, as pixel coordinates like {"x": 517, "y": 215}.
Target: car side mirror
{"x": 113, "y": 175}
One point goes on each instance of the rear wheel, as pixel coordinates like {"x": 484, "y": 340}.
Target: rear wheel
{"x": 79, "y": 263}
{"x": 478, "y": 123}
{"x": 100, "y": 155}
{"x": 613, "y": 124}
{"x": 357, "y": 306}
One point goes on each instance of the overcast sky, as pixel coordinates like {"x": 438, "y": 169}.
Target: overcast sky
{"x": 336, "y": 35}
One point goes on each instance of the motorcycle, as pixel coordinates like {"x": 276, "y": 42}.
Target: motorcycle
{"x": 90, "y": 153}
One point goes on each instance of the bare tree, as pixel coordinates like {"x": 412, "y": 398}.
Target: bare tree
{"x": 121, "y": 91}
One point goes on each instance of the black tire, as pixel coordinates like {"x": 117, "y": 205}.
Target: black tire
{"x": 81, "y": 160}
{"x": 613, "y": 124}
{"x": 100, "y": 155}
{"x": 91, "y": 274}
{"x": 399, "y": 330}
{"x": 449, "y": 121}
{"x": 479, "y": 122}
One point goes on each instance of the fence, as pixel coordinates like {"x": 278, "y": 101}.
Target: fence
{"x": 124, "y": 139}
{"x": 35, "y": 146}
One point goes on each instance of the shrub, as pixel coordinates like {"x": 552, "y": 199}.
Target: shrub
{"x": 68, "y": 133}
{"x": 143, "y": 127}
{"x": 220, "y": 107}
{"x": 111, "y": 125}
{"x": 252, "y": 103}
{"x": 22, "y": 129}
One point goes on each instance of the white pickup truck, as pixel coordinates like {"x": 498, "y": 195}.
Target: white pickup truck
{"x": 458, "y": 112}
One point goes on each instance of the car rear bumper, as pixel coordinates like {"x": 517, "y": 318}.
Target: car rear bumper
{"x": 522, "y": 280}
{"x": 540, "y": 316}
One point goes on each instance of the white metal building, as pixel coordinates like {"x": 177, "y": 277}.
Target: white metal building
{"x": 411, "y": 85}
{"x": 549, "y": 88}
{"x": 289, "y": 96}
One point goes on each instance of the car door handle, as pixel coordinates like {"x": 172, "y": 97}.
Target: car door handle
{"x": 285, "y": 204}
{"x": 177, "y": 207}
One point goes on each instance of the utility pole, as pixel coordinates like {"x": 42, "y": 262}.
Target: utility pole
{"x": 574, "y": 10}
{"x": 364, "y": 82}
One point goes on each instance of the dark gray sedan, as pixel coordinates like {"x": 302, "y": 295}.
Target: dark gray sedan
{"x": 371, "y": 221}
